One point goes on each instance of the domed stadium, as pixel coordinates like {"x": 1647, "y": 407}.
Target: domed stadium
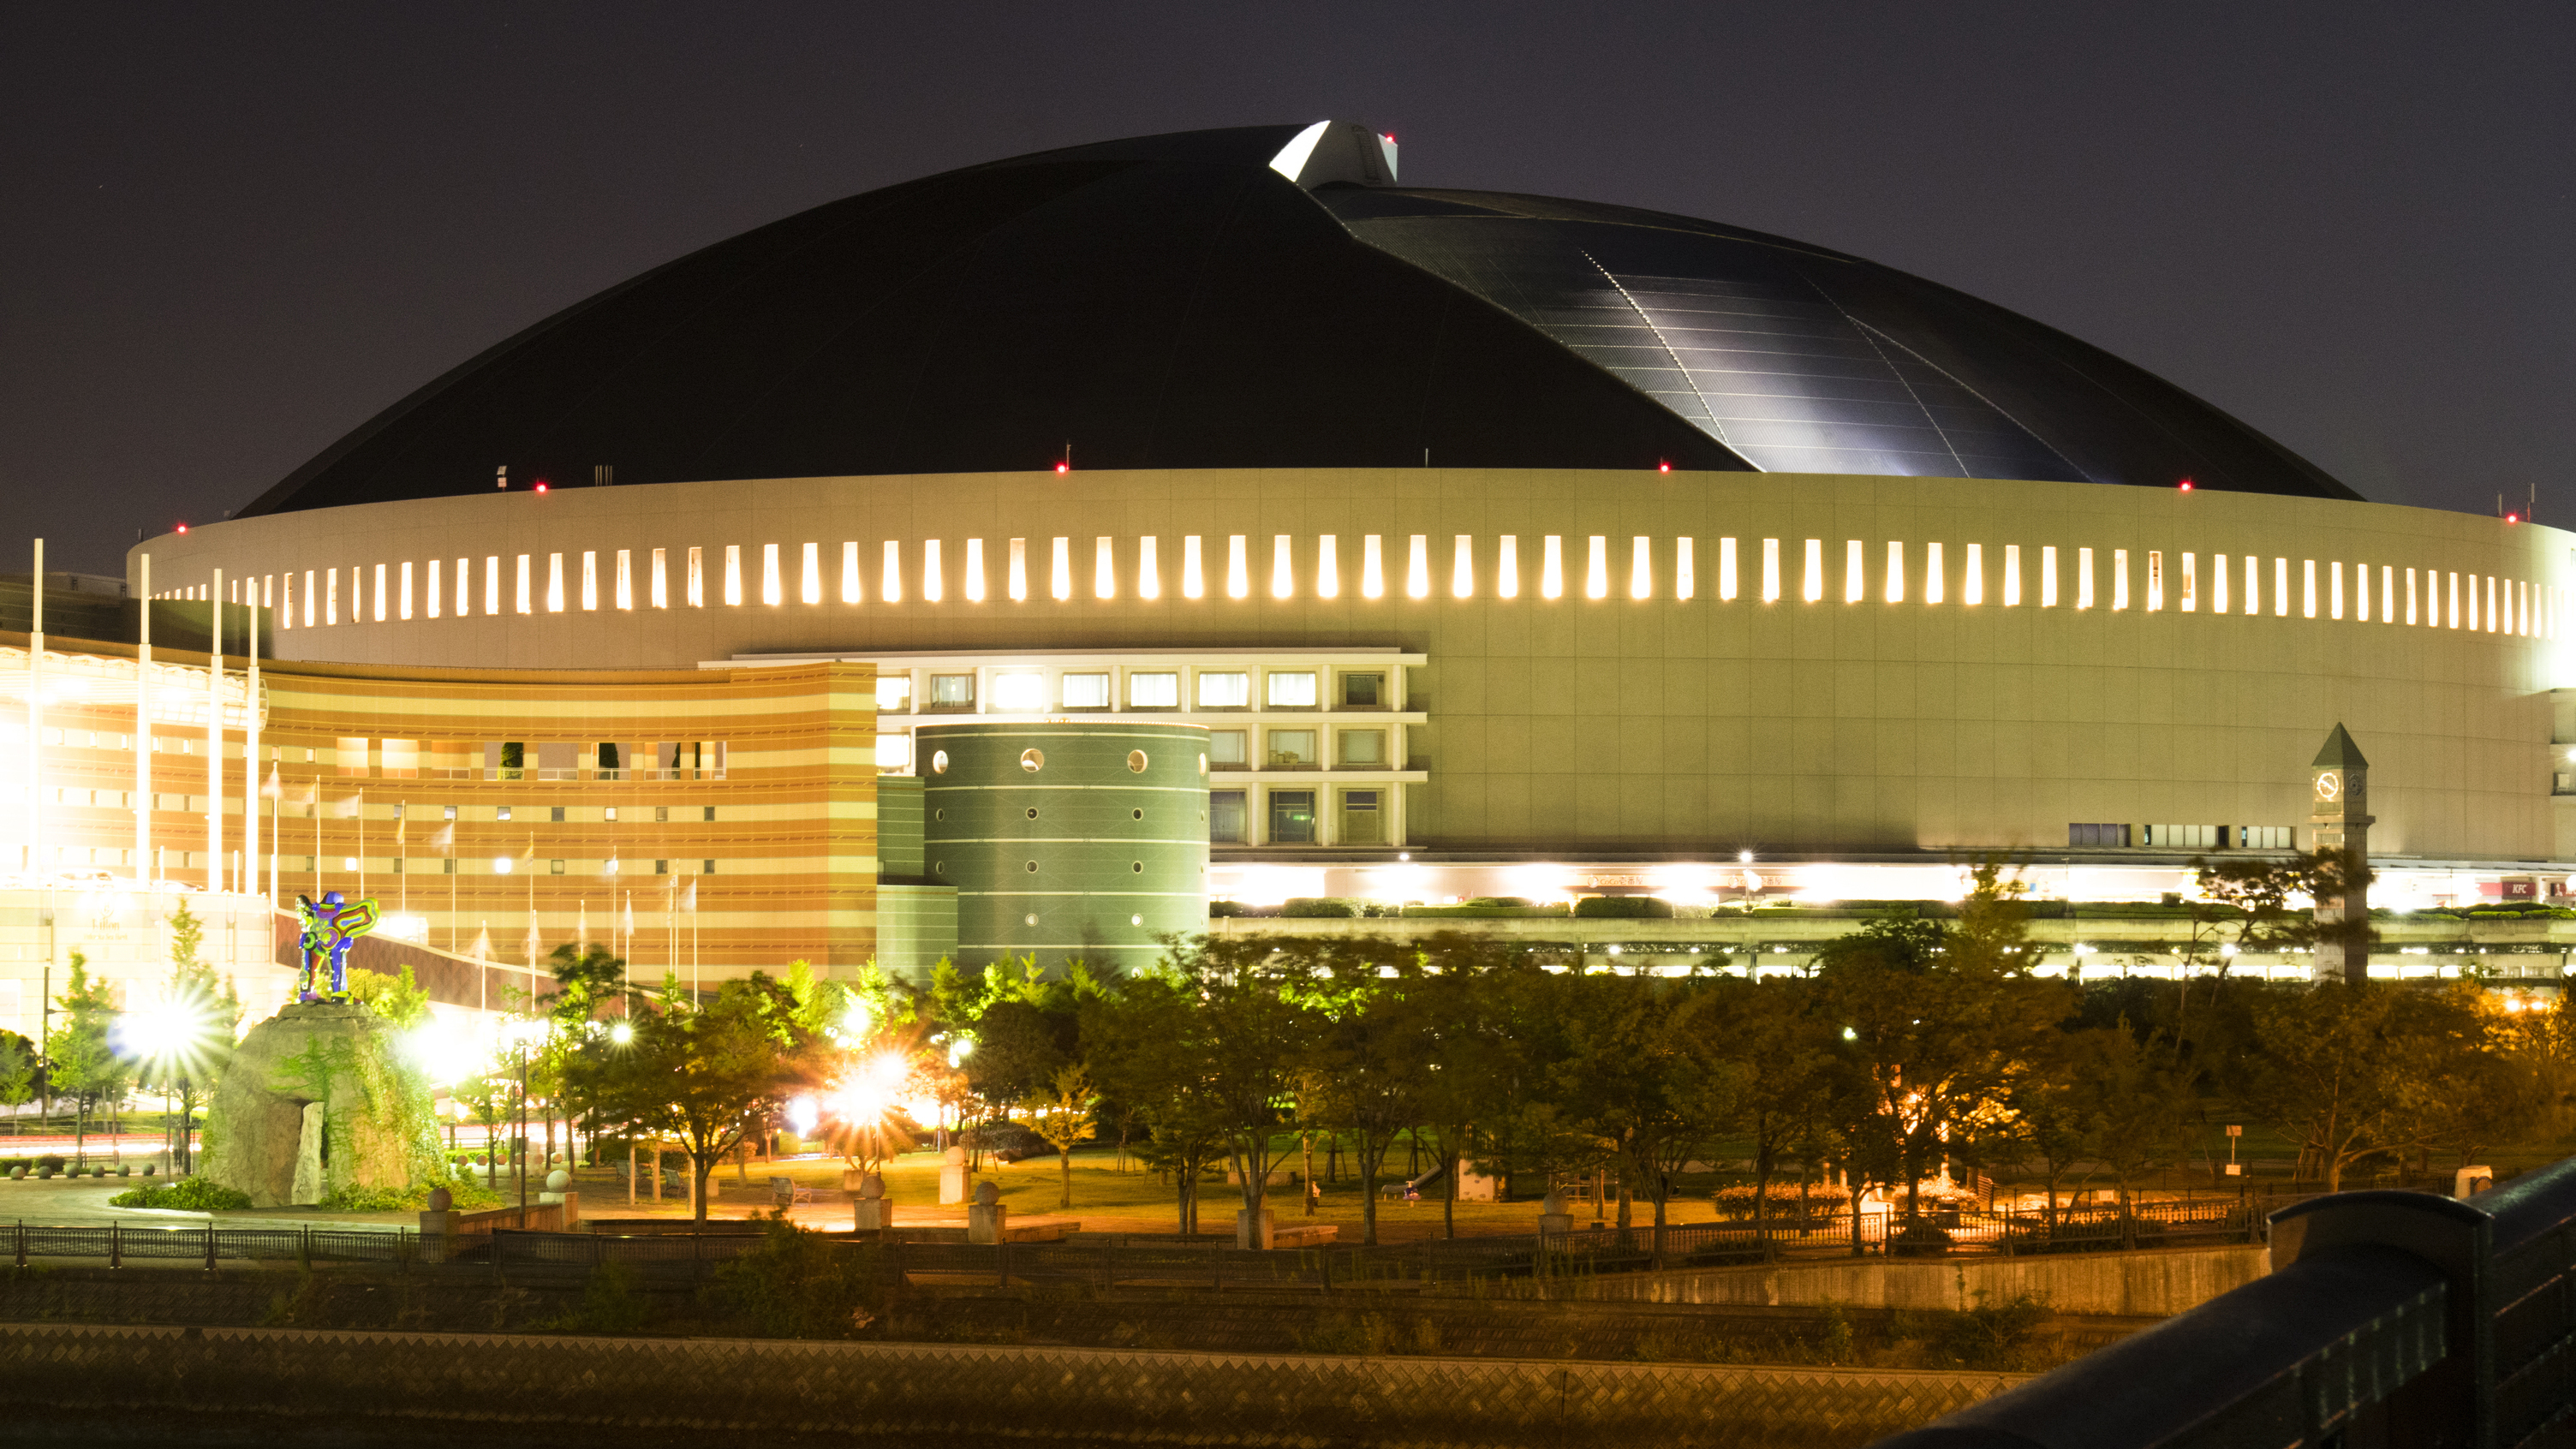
{"x": 1271, "y": 298}
{"x": 1502, "y": 546}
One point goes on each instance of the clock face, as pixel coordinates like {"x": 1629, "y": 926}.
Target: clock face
{"x": 2330, "y": 785}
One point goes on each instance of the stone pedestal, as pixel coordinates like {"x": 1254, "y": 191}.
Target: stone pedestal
{"x": 874, "y": 1212}
{"x": 437, "y": 1235}
{"x": 298, "y": 1078}
{"x": 952, "y": 1177}
{"x": 987, "y": 1220}
{"x": 1254, "y": 1230}
{"x": 1552, "y": 1216}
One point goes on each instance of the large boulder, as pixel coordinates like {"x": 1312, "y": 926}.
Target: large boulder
{"x": 313, "y": 1100}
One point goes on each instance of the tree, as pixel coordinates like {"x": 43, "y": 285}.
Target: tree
{"x": 196, "y": 1026}
{"x": 17, "y": 1073}
{"x": 1782, "y": 1049}
{"x": 2138, "y": 1109}
{"x": 708, "y": 1076}
{"x": 1152, "y": 1047}
{"x": 1633, "y": 1078}
{"x": 83, "y": 1062}
{"x": 1061, "y": 1116}
{"x": 1372, "y": 1056}
{"x": 1252, "y": 1027}
{"x": 2356, "y": 1069}
{"x": 1938, "y": 1026}
{"x": 491, "y": 1097}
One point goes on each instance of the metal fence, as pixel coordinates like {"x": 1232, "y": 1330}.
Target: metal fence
{"x": 118, "y": 1243}
{"x": 1107, "y": 1259}
{"x": 2388, "y": 1318}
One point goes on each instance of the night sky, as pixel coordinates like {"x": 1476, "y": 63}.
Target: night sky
{"x": 233, "y": 232}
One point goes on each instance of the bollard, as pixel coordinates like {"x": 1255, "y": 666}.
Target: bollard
{"x": 210, "y": 1245}
{"x": 116, "y": 1245}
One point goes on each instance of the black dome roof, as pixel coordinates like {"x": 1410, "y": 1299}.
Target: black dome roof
{"x": 1266, "y": 297}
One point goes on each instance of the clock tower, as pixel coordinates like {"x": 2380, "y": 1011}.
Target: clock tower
{"x": 2339, "y": 820}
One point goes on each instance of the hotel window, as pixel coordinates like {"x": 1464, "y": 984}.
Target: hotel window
{"x": 1156, "y": 689}
{"x": 2097, "y": 835}
{"x": 1086, "y": 691}
{"x": 1291, "y": 750}
{"x": 1292, "y": 817}
{"x": 500, "y": 812}
{"x": 1226, "y": 750}
{"x": 402, "y": 761}
{"x": 1225, "y": 817}
{"x": 1363, "y": 823}
{"x": 1224, "y": 690}
{"x": 1363, "y": 748}
{"x": 952, "y": 693}
{"x": 555, "y": 815}
{"x": 1290, "y": 689}
{"x": 894, "y": 693}
{"x": 1363, "y": 691}
{"x": 894, "y": 752}
{"x": 2269, "y": 837}
{"x": 1019, "y": 693}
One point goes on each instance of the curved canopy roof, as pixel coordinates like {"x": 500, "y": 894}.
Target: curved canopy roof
{"x": 1271, "y": 297}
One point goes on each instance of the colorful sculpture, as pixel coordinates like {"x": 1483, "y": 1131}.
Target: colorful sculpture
{"x": 329, "y": 930}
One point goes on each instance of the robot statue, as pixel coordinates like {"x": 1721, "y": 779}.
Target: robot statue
{"x": 329, "y": 930}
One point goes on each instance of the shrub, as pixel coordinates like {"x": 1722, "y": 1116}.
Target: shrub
{"x": 1224, "y": 908}
{"x": 192, "y": 1194}
{"x": 1317, "y": 908}
{"x": 351, "y": 1198}
{"x": 798, "y": 1284}
{"x": 1623, "y": 908}
{"x": 1990, "y": 1335}
{"x": 51, "y": 1161}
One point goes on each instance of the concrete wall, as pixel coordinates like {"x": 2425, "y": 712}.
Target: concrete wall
{"x": 2157, "y": 1284}
{"x": 1621, "y": 723}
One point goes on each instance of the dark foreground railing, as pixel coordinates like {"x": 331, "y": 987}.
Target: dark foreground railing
{"x": 2389, "y": 1318}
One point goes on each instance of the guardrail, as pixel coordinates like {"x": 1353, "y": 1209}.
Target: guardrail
{"x": 2392, "y": 1318}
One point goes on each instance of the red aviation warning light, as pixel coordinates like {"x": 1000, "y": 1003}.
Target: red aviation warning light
{"x": 183, "y": 528}
{"x": 1663, "y": 467}
{"x": 541, "y": 487}
{"x": 2186, "y": 485}
{"x": 1064, "y": 467}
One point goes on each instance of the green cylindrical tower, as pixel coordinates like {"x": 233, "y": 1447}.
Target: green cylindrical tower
{"x": 1067, "y": 839}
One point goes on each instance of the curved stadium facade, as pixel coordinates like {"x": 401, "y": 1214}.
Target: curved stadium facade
{"x": 1499, "y": 544}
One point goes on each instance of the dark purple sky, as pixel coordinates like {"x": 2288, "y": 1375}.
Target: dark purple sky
{"x": 229, "y": 233}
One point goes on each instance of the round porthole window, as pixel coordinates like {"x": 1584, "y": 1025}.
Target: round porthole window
{"x": 1033, "y": 867}
{"x": 939, "y": 762}
{"x": 1139, "y": 867}
{"x": 1135, "y": 920}
{"x": 1139, "y": 814}
{"x": 1135, "y": 762}
{"x": 1032, "y": 760}
{"x": 1202, "y": 767}
{"x": 1030, "y": 919}
{"x": 938, "y": 814}
{"x": 1033, "y": 812}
